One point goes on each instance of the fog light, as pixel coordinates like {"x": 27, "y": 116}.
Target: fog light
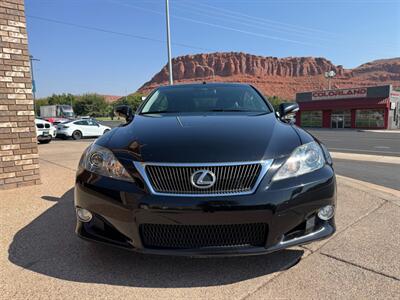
{"x": 326, "y": 212}
{"x": 83, "y": 214}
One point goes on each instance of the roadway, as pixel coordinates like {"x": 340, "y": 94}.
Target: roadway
{"x": 383, "y": 174}
{"x": 363, "y": 142}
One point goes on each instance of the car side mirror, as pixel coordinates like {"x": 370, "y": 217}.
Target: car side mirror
{"x": 287, "y": 111}
{"x": 124, "y": 111}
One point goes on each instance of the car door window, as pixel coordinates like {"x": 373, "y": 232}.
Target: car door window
{"x": 82, "y": 122}
{"x": 92, "y": 123}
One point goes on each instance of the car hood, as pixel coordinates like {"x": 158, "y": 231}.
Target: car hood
{"x": 203, "y": 138}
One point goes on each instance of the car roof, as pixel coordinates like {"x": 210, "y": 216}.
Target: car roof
{"x": 205, "y": 84}
{"x": 83, "y": 119}
{"x": 38, "y": 120}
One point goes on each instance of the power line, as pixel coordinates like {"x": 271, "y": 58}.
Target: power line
{"x": 220, "y": 26}
{"x": 248, "y": 17}
{"x": 248, "y": 21}
{"x": 264, "y": 20}
{"x": 92, "y": 28}
{"x": 318, "y": 44}
{"x": 181, "y": 18}
{"x": 266, "y": 36}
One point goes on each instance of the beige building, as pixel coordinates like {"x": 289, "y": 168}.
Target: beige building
{"x": 19, "y": 163}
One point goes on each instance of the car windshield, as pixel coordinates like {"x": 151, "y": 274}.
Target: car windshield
{"x": 205, "y": 99}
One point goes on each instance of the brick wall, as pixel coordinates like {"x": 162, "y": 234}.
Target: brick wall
{"x": 19, "y": 165}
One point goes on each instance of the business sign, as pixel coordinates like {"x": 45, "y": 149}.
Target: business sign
{"x": 340, "y": 94}
{"x": 395, "y": 96}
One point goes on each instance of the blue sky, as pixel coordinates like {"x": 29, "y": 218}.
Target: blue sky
{"x": 114, "y": 46}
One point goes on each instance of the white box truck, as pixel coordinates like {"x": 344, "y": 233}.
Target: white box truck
{"x": 57, "y": 113}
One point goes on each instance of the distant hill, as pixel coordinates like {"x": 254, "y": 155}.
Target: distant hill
{"x": 281, "y": 77}
{"x": 110, "y": 98}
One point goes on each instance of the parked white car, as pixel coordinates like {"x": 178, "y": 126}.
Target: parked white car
{"x": 80, "y": 128}
{"x": 45, "y": 131}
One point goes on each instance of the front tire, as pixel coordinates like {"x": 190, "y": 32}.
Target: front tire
{"x": 77, "y": 135}
{"x": 105, "y": 131}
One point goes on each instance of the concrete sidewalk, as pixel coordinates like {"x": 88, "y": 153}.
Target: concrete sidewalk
{"x": 381, "y": 130}
{"x": 366, "y": 157}
{"x": 40, "y": 257}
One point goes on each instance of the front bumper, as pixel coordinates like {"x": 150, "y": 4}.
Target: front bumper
{"x": 288, "y": 207}
{"x": 44, "y": 137}
{"x": 63, "y": 133}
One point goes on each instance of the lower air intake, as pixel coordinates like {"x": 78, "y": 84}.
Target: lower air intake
{"x": 198, "y": 236}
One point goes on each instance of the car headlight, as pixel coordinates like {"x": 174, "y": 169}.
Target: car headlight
{"x": 100, "y": 160}
{"x": 304, "y": 159}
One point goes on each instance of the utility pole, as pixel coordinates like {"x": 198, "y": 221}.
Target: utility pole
{"x": 31, "y": 60}
{"x": 171, "y": 80}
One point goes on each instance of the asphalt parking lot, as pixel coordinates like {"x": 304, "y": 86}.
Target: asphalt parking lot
{"x": 355, "y": 141}
{"x": 40, "y": 257}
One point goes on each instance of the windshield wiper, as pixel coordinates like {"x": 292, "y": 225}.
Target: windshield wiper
{"x": 160, "y": 112}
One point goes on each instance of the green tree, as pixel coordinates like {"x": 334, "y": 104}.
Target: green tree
{"x": 93, "y": 105}
{"x": 132, "y": 100}
{"x": 83, "y": 105}
{"x": 64, "y": 98}
{"x": 276, "y": 101}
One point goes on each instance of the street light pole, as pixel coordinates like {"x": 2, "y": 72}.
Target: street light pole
{"x": 171, "y": 80}
{"x": 31, "y": 60}
{"x": 330, "y": 75}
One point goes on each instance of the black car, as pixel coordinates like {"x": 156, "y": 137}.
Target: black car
{"x": 206, "y": 169}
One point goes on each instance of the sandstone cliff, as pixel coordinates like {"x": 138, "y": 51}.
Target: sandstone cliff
{"x": 282, "y": 77}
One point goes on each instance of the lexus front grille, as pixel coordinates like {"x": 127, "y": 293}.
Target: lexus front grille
{"x": 216, "y": 179}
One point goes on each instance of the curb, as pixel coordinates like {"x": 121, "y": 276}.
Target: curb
{"x": 380, "y": 131}
{"x": 366, "y": 157}
{"x": 385, "y": 193}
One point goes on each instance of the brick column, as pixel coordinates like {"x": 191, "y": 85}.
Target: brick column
{"x": 19, "y": 162}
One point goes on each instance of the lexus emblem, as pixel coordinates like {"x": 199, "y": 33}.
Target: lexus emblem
{"x": 203, "y": 179}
